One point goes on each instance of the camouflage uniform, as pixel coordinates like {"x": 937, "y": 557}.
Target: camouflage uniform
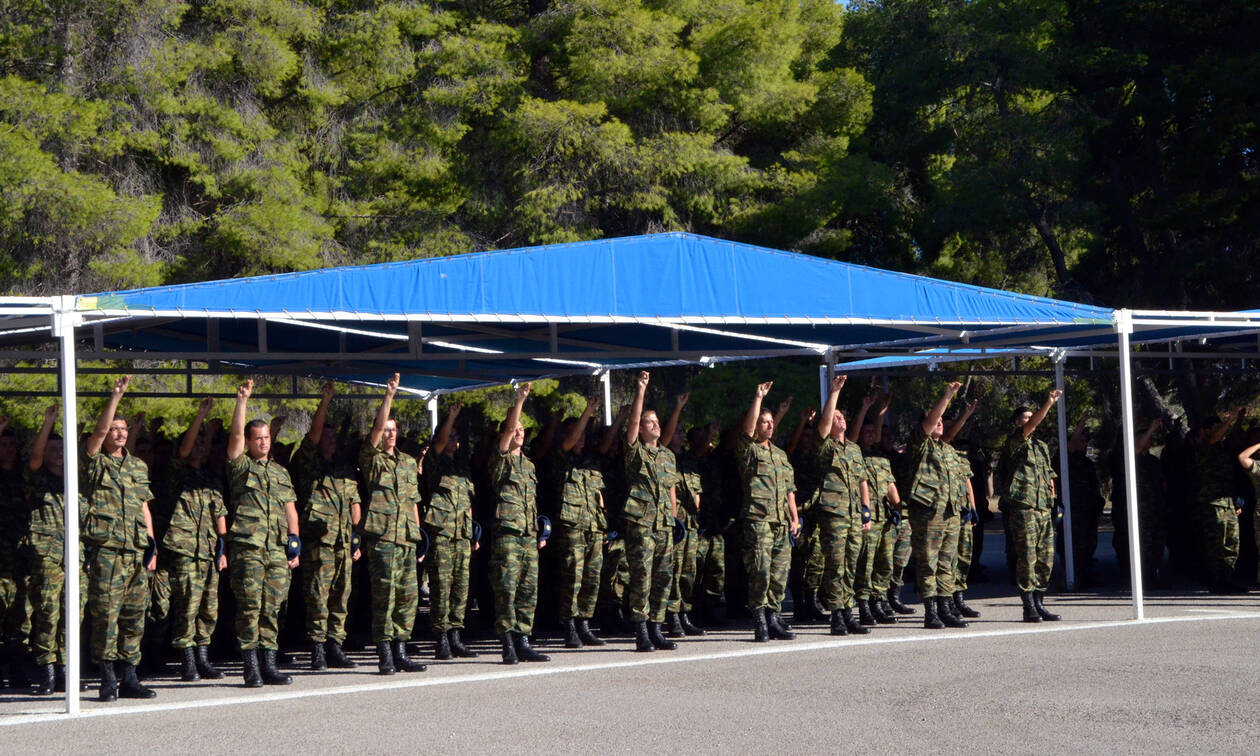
{"x": 1253, "y": 473}
{"x": 711, "y": 524}
{"x": 581, "y": 534}
{"x": 326, "y": 494}
{"x": 875, "y": 566}
{"x": 1217, "y": 509}
{"x": 116, "y": 489}
{"x": 448, "y": 520}
{"x": 839, "y": 512}
{"x": 160, "y": 510}
{"x": 258, "y": 490}
{"x": 15, "y": 607}
{"x": 901, "y": 533}
{"x": 689, "y": 491}
{"x": 614, "y": 575}
{"x": 1027, "y": 480}
{"x": 192, "y": 541}
{"x": 390, "y": 533}
{"x": 1087, "y": 507}
{"x": 933, "y": 514}
{"x": 807, "y": 555}
{"x": 649, "y": 528}
{"x": 768, "y": 479}
{"x": 514, "y": 560}
{"x": 43, "y": 546}
{"x": 962, "y": 554}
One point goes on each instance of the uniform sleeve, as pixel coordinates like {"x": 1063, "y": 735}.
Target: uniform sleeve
{"x": 746, "y": 454}
{"x": 140, "y": 477}
{"x": 284, "y": 484}
{"x": 1253, "y": 472}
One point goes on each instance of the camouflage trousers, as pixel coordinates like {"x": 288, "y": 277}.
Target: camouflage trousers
{"x": 260, "y": 581}
{"x": 962, "y": 557}
{"x": 864, "y": 584}
{"x": 194, "y": 600}
{"x": 650, "y": 556}
{"x": 1032, "y": 533}
{"x": 807, "y": 555}
{"x": 883, "y": 564}
{"x": 47, "y": 590}
{"x": 582, "y": 560}
{"x": 710, "y": 569}
{"x": 514, "y": 577}
{"x": 933, "y": 540}
{"x": 395, "y": 589}
{"x": 118, "y": 597}
{"x": 841, "y": 540}
{"x": 614, "y": 575}
{"x": 1220, "y": 537}
{"x": 683, "y": 583}
{"x": 447, "y": 565}
{"x": 901, "y": 552}
{"x": 160, "y": 591}
{"x": 326, "y": 590}
{"x": 767, "y": 559}
{"x": 15, "y": 613}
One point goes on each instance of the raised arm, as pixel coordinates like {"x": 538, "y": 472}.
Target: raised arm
{"x": 636, "y": 409}
{"x": 829, "y": 408}
{"x": 321, "y": 414}
{"x": 935, "y": 414}
{"x": 781, "y": 412}
{"x": 958, "y": 424}
{"x": 236, "y": 434}
{"x": 610, "y": 433}
{"x": 135, "y": 429}
{"x": 749, "y": 426}
{"x": 1031, "y": 426}
{"x": 382, "y": 413}
{"x": 547, "y": 439}
{"x": 443, "y": 436}
{"x": 807, "y": 414}
{"x": 671, "y": 426}
{"x": 514, "y": 417}
{"x": 854, "y": 431}
{"x": 189, "y": 440}
{"x": 94, "y": 441}
{"x": 1225, "y": 426}
{"x": 882, "y": 410}
{"x": 41, "y": 441}
{"x": 575, "y": 433}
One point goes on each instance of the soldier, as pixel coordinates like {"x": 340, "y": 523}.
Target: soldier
{"x": 1087, "y": 502}
{"x": 1217, "y": 508}
{"x": 968, "y": 517}
{"x": 614, "y": 574}
{"x": 43, "y": 546}
{"x": 875, "y": 563}
{"x": 1028, "y": 489}
{"x": 1252, "y": 467}
{"x": 391, "y": 529}
{"x": 449, "y": 522}
{"x": 264, "y": 545}
{"x": 14, "y": 605}
{"x": 196, "y": 543}
{"x": 582, "y": 528}
{"x": 514, "y": 561}
{"x": 769, "y": 515}
{"x": 843, "y": 508}
{"x": 651, "y": 506}
{"x": 688, "y": 491}
{"x": 328, "y": 497}
{"x": 1152, "y": 503}
{"x": 805, "y": 577}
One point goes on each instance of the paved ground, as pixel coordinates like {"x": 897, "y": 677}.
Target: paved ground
{"x": 1181, "y": 681}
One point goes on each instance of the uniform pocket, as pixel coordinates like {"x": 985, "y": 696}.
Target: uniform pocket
{"x": 97, "y": 526}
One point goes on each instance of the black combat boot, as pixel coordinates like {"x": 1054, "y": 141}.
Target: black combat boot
{"x": 509, "y": 649}
{"x": 675, "y": 625}
{"x": 864, "y": 613}
{"x": 945, "y": 610}
{"x": 109, "y": 682}
{"x": 271, "y": 675}
{"x": 526, "y": 652}
{"x": 687, "y": 625}
{"x": 659, "y": 640}
{"x": 45, "y": 680}
{"x": 837, "y": 624}
{"x": 337, "y": 658}
{"x": 894, "y": 600}
{"x": 585, "y": 635}
{"x": 887, "y": 609}
{"x": 253, "y": 678}
{"x": 962, "y": 607}
{"x": 442, "y": 648}
{"x": 803, "y": 611}
{"x": 403, "y": 662}
{"x": 1030, "y": 609}
{"x": 384, "y": 658}
{"x": 319, "y": 661}
{"x": 851, "y": 624}
{"x": 877, "y": 611}
{"x": 761, "y": 632}
{"x": 774, "y": 624}
{"x": 457, "y": 646}
{"x": 204, "y": 667}
{"x": 571, "y": 639}
{"x": 188, "y": 669}
{"x": 641, "y": 640}
{"x": 129, "y": 685}
{"x": 1038, "y": 597}
{"x": 930, "y": 620}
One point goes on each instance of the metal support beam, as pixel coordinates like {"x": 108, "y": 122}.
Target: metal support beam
{"x": 1065, "y": 479}
{"x": 433, "y": 415}
{"x": 1124, "y": 327}
{"x": 64, "y": 321}
{"x": 605, "y": 383}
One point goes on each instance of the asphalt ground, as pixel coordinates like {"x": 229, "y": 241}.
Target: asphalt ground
{"x": 1181, "y": 681}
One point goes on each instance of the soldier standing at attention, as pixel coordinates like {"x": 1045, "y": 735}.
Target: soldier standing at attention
{"x": 711, "y": 526}
{"x": 263, "y": 539}
{"x": 933, "y": 514}
{"x": 119, "y": 526}
{"x": 651, "y": 506}
{"x": 514, "y": 559}
{"x": 582, "y": 527}
{"x": 1218, "y": 510}
{"x": 15, "y": 607}
{"x": 688, "y": 491}
{"x": 968, "y": 515}
{"x": 877, "y": 550}
{"x": 843, "y": 510}
{"x": 1249, "y": 465}
{"x": 391, "y": 529}
{"x": 328, "y": 495}
{"x": 195, "y": 541}
{"x": 449, "y": 521}
{"x": 769, "y": 515}
{"x": 1028, "y": 488}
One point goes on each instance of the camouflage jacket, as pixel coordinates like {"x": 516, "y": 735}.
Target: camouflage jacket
{"x": 449, "y": 511}
{"x": 193, "y": 530}
{"x": 879, "y": 477}
{"x": 690, "y": 488}
{"x": 1027, "y": 477}
{"x": 651, "y": 471}
{"x": 841, "y": 470}
{"x": 1253, "y": 474}
{"x": 13, "y": 510}
{"x": 932, "y": 474}
{"x": 326, "y": 494}
{"x": 1216, "y": 475}
{"x": 259, "y": 490}
{"x": 768, "y": 478}
{"x": 516, "y": 494}
{"x": 581, "y": 485}
{"x": 116, "y": 489}
{"x": 958, "y": 481}
{"x": 393, "y": 482}
{"x": 46, "y": 534}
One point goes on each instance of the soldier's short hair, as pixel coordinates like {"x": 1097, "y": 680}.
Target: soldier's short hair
{"x": 254, "y": 424}
{"x": 1021, "y": 409}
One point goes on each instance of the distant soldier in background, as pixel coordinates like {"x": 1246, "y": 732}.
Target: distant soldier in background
{"x": 582, "y": 525}
{"x": 15, "y": 609}
{"x": 876, "y": 563}
{"x": 712, "y": 523}
{"x": 449, "y": 521}
{"x": 1216, "y": 501}
{"x": 1152, "y": 502}
{"x": 688, "y": 491}
{"x": 967, "y": 512}
{"x": 1087, "y": 503}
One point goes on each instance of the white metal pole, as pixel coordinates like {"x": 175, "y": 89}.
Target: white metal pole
{"x": 1124, "y": 326}
{"x": 64, "y": 320}
{"x": 433, "y": 416}
{"x": 823, "y": 375}
{"x": 1065, "y": 480}
{"x": 605, "y": 382}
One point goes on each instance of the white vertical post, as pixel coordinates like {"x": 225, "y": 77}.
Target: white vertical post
{"x": 605, "y": 382}
{"x": 1124, "y": 326}
{"x": 433, "y": 415}
{"x": 64, "y": 321}
{"x": 1065, "y": 481}
{"x": 824, "y": 373}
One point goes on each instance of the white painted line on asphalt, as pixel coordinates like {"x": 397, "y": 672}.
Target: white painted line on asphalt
{"x": 1213, "y": 611}
{"x": 638, "y": 661}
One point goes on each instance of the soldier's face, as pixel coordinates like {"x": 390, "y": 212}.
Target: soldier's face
{"x": 649, "y": 427}
{"x": 200, "y": 450}
{"x": 258, "y": 444}
{"x": 1022, "y": 419}
{"x": 54, "y": 457}
{"x": 870, "y": 435}
{"x": 116, "y": 436}
{"x": 938, "y": 430}
{"x": 327, "y": 444}
{"x": 765, "y": 426}
{"x": 839, "y": 426}
{"x": 452, "y": 444}
{"x": 389, "y": 436}
{"x": 518, "y": 436}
